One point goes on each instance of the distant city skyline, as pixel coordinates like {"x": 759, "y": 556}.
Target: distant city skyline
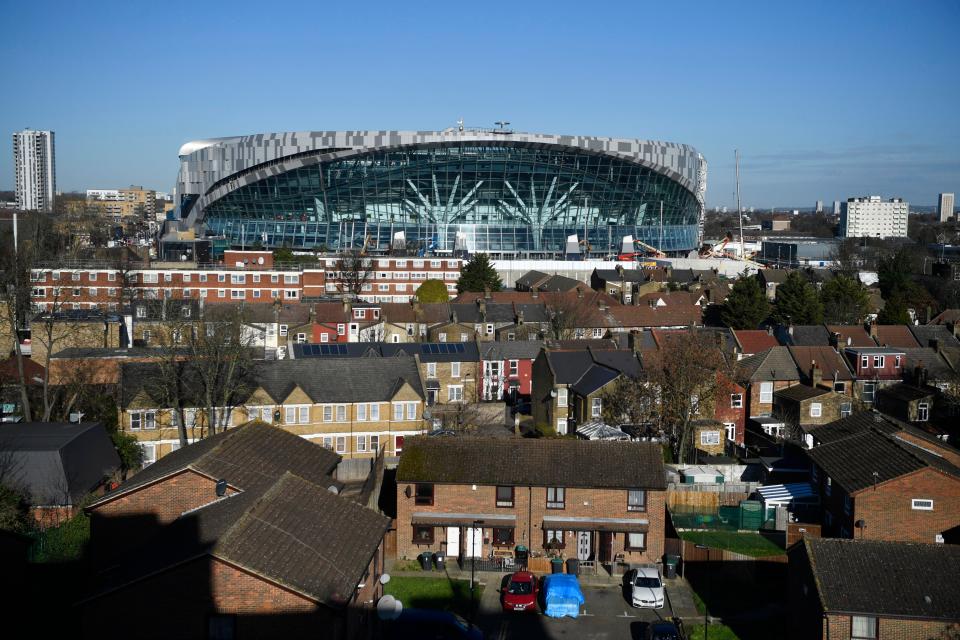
{"x": 825, "y": 101}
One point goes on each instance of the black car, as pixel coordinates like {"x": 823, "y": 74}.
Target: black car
{"x": 663, "y": 630}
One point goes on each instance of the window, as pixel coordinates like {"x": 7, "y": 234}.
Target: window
{"x": 398, "y": 444}
{"x": 840, "y": 387}
{"x": 361, "y": 444}
{"x": 562, "y": 397}
{"x": 361, "y": 412}
{"x": 454, "y": 369}
{"x": 221, "y": 277}
{"x": 897, "y": 363}
{"x": 76, "y": 277}
{"x": 454, "y": 393}
{"x": 514, "y": 368}
{"x": 504, "y": 496}
{"x": 422, "y": 534}
{"x": 846, "y": 409}
{"x": 730, "y": 431}
{"x": 635, "y": 541}
{"x": 149, "y": 454}
{"x": 237, "y": 294}
{"x": 221, "y": 293}
{"x": 374, "y": 412}
{"x": 596, "y": 407}
{"x": 921, "y": 504}
{"x": 238, "y": 278}
{"x": 869, "y": 389}
{"x": 341, "y": 413}
{"x": 111, "y": 277}
{"x": 636, "y": 500}
{"x": 274, "y": 277}
{"x": 879, "y": 362}
{"x": 290, "y": 416}
{"x": 553, "y": 539}
{"x": 816, "y": 409}
{"x": 766, "y": 392}
{"x": 923, "y": 412}
{"x": 283, "y": 330}
{"x": 328, "y": 442}
{"x": 503, "y": 536}
{"x": 828, "y": 488}
{"x": 398, "y": 411}
{"x": 431, "y": 369}
{"x": 464, "y": 337}
{"x": 374, "y": 443}
{"x": 423, "y": 495}
{"x": 864, "y": 362}
{"x": 736, "y": 400}
{"x": 304, "y": 415}
{"x": 203, "y": 277}
{"x": 143, "y": 420}
{"x": 863, "y": 628}
{"x": 708, "y": 438}
{"x": 442, "y": 337}
{"x": 328, "y": 413}
{"x": 301, "y": 338}
{"x": 341, "y": 444}
{"x": 556, "y": 497}
{"x": 290, "y": 293}
{"x": 561, "y": 426}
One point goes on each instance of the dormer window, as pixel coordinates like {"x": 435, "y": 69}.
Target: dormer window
{"x": 141, "y": 312}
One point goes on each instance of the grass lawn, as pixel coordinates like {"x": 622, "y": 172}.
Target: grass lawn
{"x": 433, "y": 593}
{"x": 717, "y": 632}
{"x": 749, "y": 544}
{"x": 65, "y": 543}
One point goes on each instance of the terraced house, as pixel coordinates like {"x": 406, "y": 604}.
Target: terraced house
{"x": 600, "y": 502}
{"x": 353, "y": 406}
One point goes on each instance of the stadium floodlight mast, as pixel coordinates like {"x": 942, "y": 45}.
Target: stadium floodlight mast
{"x": 502, "y": 124}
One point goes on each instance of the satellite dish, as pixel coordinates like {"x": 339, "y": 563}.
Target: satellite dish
{"x": 260, "y": 260}
{"x": 385, "y": 578}
{"x": 389, "y": 608}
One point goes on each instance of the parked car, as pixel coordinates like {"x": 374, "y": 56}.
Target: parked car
{"x": 518, "y": 592}
{"x": 645, "y": 587}
{"x": 663, "y": 630}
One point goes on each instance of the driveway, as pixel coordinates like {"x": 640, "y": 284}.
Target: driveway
{"x": 605, "y": 615}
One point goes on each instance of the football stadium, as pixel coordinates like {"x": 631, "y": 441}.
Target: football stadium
{"x": 506, "y": 193}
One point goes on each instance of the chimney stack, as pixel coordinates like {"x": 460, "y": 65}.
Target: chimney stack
{"x": 534, "y": 292}
{"x": 486, "y": 293}
{"x": 920, "y": 374}
{"x": 816, "y": 375}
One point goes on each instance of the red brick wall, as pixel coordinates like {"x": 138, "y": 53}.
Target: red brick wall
{"x": 838, "y": 627}
{"x": 723, "y": 412}
{"x": 888, "y": 513}
{"x": 600, "y": 503}
{"x": 951, "y": 454}
{"x": 177, "y": 603}
{"x": 124, "y": 522}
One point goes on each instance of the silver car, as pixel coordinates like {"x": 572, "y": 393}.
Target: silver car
{"x": 646, "y": 587}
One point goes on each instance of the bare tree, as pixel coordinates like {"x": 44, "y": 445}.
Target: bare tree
{"x": 686, "y": 374}
{"x": 568, "y": 314}
{"x": 355, "y": 270}
{"x": 630, "y": 401}
{"x": 15, "y": 294}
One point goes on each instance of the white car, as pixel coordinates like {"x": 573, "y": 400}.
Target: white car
{"x": 646, "y": 587}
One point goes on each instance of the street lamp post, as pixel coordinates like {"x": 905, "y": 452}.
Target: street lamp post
{"x": 706, "y": 616}
{"x": 473, "y": 568}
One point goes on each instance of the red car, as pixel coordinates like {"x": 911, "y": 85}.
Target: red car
{"x": 518, "y": 592}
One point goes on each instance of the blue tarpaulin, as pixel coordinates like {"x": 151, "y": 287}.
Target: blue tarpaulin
{"x": 562, "y": 595}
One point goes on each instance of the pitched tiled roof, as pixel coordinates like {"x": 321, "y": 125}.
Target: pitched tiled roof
{"x": 936, "y": 366}
{"x": 877, "y": 578}
{"x": 832, "y": 365}
{"x": 810, "y": 335}
{"x": 531, "y": 278}
{"x": 773, "y": 364}
{"x": 754, "y": 340}
{"x": 851, "y": 335}
{"x": 924, "y": 333}
{"x": 526, "y": 462}
{"x": 644, "y": 316}
{"x": 627, "y": 275}
{"x": 595, "y": 378}
{"x": 248, "y": 457}
{"x": 800, "y": 392}
{"x": 511, "y": 350}
{"x": 948, "y": 316}
{"x": 778, "y": 276}
{"x": 871, "y": 457}
{"x": 894, "y": 335}
{"x": 853, "y": 425}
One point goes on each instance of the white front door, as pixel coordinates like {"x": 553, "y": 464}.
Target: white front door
{"x": 584, "y": 545}
{"x": 474, "y": 543}
{"x": 453, "y": 542}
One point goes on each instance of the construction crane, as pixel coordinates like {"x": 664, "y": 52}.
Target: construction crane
{"x": 648, "y": 251}
{"x": 715, "y": 251}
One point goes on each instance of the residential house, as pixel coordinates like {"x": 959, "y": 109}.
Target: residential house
{"x": 935, "y": 336}
{"x": 802, "y": 408}
{"x": 823, "y": 367}
{"x": 624, "y": 285}
{"x": 873, "y": 368}
{"x": 709, "y": 437}
{"x": 770, "y": 279}
{"x": 876, "y": 486}
{"x": 893, "y": 335}
{"x": 910, "y": 403}
{"x": 243, "y": 535}
{"x": 56, "y": 465}
{"x": 450, "y": 371}
{"x": 531, "y": 322}
{"x": 555, "y": 401}
{"x": 809, "y": 335}
{"x": 752, "y": 341}
{"x": 531, "y": 280}
{"x": 764, "y": 373}
{"x": 849, "y": 335}
{"x": 507, "y": 369}
{"x": 872, "y": 590}
{"x": 354, "y": 406}
{"x": 598, "y": 501}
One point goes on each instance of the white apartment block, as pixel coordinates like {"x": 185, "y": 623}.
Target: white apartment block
{"x": 872, "y": 217}
{"x": 34, "y": 164}
{"x": 945, "y": 204}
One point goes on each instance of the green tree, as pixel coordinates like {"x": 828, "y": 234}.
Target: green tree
{"x": 479, "y": 275}
{"x": 797, "y": 301}
{"x": 129, "y": 450}
{"x": 894, "y": 273}
{"x": 432, "y": 291}
{"x": 894, "y": 311}
{"x": 845, "y": 301}
{"x": 14, "y": 510}
{"x": 283, "y": 254}
{"x": 746, "y": 306}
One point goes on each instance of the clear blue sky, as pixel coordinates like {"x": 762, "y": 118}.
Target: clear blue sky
{"x": 824, "y": 99}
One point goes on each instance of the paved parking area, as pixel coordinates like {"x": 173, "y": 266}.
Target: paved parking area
{"x": 604, "y": 615}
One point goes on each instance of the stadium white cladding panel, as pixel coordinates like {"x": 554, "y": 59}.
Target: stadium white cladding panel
{"x": 475, "y": 190}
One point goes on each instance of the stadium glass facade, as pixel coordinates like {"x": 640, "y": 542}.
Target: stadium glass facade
{"x": 507, "y": 197}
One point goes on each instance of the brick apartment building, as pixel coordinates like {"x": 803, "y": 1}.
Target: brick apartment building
{"x": 241, "y": 535}
{"x": 869, "y": 590}
{"x": 356, "y": 407}
{"x": 876, "y": 485}
{"x": 479, "y": 497}
{"x": 244, "y": 276}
